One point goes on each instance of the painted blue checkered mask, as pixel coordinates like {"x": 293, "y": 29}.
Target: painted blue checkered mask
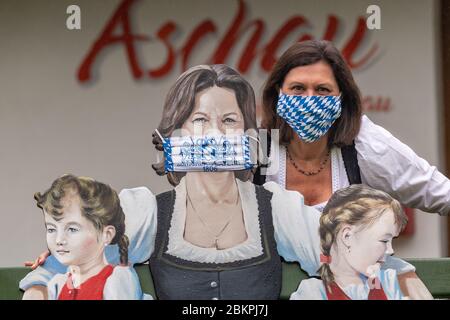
{"x": 310, "y": 116}
{"x": 207, "y": 153}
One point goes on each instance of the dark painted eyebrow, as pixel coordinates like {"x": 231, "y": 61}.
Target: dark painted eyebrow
{"x": 199, "y": 112}
{"x": 73, "y": 222}
{"x": 230, "y": 113}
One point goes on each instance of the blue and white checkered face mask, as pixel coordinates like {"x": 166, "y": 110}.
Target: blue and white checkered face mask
{"x": 207, "y": 153}
{"x": 310, "y": 116}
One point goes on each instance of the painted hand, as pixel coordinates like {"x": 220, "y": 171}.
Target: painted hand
{"x": 39, "y": 261}
{"x": 413, "y": 287}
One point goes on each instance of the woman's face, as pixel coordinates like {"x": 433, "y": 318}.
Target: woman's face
{"x": 368, "y": 247}
{"x": 216, "y": 112}
{"x": 312, "y": 80}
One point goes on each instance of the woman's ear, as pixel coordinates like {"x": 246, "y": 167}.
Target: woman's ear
{"x": 347, "y": 234}
{"x": 109, "y": 232}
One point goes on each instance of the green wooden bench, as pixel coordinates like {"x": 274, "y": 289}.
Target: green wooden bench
{"x": 435, "y": 273}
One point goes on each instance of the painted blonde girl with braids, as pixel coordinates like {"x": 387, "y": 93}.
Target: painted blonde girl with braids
{"x": 82, "y": 217}
{"x": 356, "y": 232}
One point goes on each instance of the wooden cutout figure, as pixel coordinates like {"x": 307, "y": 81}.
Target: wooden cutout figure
{"x": 215, "y": 235}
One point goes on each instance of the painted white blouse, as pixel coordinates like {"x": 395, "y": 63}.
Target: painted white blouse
{"x": 295, "y": 226}
{"x": 122, "y": 284}
{"x": 314, "y": 289}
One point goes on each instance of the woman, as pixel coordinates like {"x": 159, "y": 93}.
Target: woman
{"x": 214, "y": 236}
{"x": 325, "y": 141}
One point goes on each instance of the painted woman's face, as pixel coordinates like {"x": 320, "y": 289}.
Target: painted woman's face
{"x": 216, "y": 112}
{"x": 73, "y": 239}
{"x": 369, "y": 247}
{"x": 312, "y": 80}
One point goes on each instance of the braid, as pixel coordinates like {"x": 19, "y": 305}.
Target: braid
{"x": 123, "y": 249}
{"x": 327, "y": 238}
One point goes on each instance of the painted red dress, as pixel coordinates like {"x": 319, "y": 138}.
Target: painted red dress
{"x": 91, "y": 289}
{"x": 384, "y": 287}
{"x": 336, "y": 293}
{"x": 111, "y": 283}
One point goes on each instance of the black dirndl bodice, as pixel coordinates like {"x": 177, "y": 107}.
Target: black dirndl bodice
{"x": 256, "y": 278}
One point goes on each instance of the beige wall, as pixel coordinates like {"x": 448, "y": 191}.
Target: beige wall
{"x": 51, "y": 124}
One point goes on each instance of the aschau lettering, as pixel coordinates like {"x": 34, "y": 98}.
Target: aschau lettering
{"x": 238, "y": 28}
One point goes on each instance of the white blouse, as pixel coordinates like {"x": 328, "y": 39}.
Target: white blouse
{"x": 339, "y": 177}
{"x": 386, "y": 164}
{"x": 314, "y": 289}
{"x": 250, "y": 248}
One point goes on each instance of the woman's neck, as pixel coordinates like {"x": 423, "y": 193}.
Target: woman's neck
{"x": 217, "y": 187}
{"x": 304, "y": 151}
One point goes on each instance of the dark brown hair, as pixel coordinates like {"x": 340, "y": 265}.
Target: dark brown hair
{"x": 346, "y": 127}
{"x": 99, "y": 204}
{"x": 180, "y": 102}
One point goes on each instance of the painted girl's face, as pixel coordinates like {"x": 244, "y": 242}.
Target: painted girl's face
{"x": 312, "y": 80}
{"x": 216, "y": 112}
{"x": 73, "y": 239}
{"x": 368, "y": 247}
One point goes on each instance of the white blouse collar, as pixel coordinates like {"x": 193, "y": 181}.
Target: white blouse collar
{"x": 338, "y": 173}
{"x": 250, "y": 248}
{"x": 357, "y": 291}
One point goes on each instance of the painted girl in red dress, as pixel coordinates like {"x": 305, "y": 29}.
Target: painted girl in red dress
{"x": 82, "y": 217}
{"x": 356, "y": 232}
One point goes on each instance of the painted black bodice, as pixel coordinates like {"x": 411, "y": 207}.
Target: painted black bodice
{"x": 254, "y": 278}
